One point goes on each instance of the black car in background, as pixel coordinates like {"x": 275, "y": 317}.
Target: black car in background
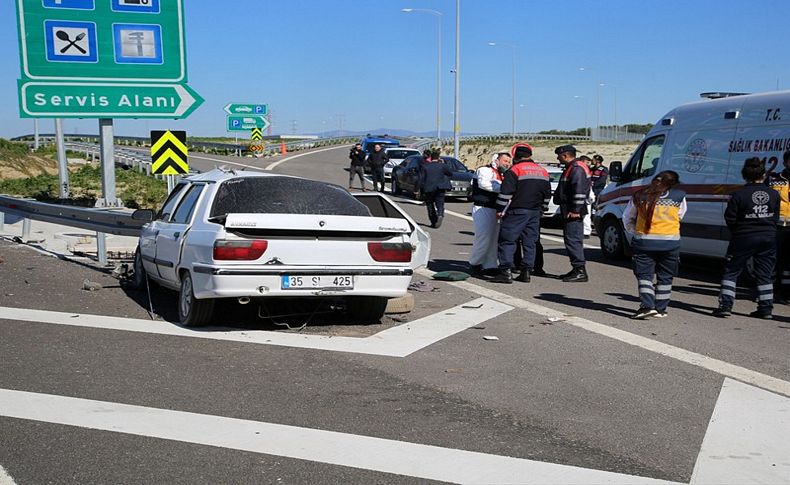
{"x": 405, "y": 177}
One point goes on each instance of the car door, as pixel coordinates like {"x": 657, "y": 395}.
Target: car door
{"x": 170, "y": 238}
{"x": 151, "y": 230}
{"x": 382, "y": 206}
{"x": 411, "y": 174}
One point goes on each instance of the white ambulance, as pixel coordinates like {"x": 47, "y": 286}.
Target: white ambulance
{"x": 706, "y": 143}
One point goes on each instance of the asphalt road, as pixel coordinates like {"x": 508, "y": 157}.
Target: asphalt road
{"x": 586, "y": 387}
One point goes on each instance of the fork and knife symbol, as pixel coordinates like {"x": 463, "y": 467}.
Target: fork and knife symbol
{"x": 64, "y": 36}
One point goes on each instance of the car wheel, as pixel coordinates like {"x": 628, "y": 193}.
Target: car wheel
{"x": 612, "y": 239}
{"x": 191, "y": 311}
{"x": 137, "y": 280}
{"x": 403, "y": 304}
{"x": 394, "y": 186}
{"x": 366, "y": 309}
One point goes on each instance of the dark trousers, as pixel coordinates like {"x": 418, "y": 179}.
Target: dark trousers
{"x": 519, "y": 225}
{"x": 573, "y": 236}
{"x": 356, "y": 170}
{"x": 517, "y": 255}
{"x": 762, "y": 250}
{"x": 782, "y": 284}
{"x": 377, "y": 174}
{"x": 434, "y": 201}
{"x": 664, "y": 266}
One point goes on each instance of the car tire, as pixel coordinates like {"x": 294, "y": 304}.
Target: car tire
{"x": 403, "y": 304}
{"x": 394, "y": 186}
{"x": 191, "y": 311}
{"x": 612, "y": 239}
{"x": 138, "y": 277}
{"x": 366, "y": 309}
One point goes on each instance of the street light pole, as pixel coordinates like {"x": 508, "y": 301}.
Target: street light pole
{"x": 586, "y": 128}
{"x": 513, "y": 94}
{"x": 438, "y": 66}
{"x": 457, "y": 101}
{"x": 597, "y": 104}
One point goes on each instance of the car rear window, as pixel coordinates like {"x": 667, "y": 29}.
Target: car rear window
{"x": 284, "y": 195}
{"x": 401, "y": 153}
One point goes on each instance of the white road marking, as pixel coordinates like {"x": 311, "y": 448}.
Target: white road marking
{"x": 542, "y": 236}
{"x": 274, "y": 165}
{"x": 342, "y": 449}
{"x": 399, "y": 341}
{"x": 718, "y": 366}
{"x": 748, "y": 438}
{"x": 5, "y": 478}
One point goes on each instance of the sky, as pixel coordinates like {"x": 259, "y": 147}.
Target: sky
{"x": 363, "y": 65}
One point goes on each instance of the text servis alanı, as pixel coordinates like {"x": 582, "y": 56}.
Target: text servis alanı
{"x": 103, "y": 101}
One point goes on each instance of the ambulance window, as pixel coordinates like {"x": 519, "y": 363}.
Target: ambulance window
{"x": 645, "y": 161}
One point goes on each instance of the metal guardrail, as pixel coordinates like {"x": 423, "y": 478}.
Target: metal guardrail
{"x": 108, "y": 221}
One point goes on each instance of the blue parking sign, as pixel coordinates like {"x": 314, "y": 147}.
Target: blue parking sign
{"x": 69, "y": 41}
{"x": 70, "y": 4}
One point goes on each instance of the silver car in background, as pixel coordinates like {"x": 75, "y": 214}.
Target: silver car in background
{"x": 396, "y": 156}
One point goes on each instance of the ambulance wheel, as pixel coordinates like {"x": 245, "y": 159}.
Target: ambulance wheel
{"x": 612, "y": 239}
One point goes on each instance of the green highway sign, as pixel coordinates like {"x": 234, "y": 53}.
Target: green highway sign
{"x": 102, "y": 40}
{"x": 247, "y": 109}
{"x": 246, "y": 123}
{"x": 106, "y": 100}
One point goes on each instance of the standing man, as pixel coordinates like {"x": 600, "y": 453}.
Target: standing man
{"x": 377, "y": 159}
{"x": 524, "y": 194}
{"x": 434, "y": 182}
{"x": 357, "y": 167}
{"x": 598, "y": 176}
{"x": 485, "y": 189}
{"x": 780, "y": 182}
{"x": 571, "y": 195}
{"x": 751, "y": 216}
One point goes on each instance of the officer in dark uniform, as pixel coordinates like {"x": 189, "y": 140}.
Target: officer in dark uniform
{"x": 523, "y": 196}
{"x": 598, "y": 175}
{"x": 751, "y": 215}
{"x": 571, "y": 195}
{"x": 433, "y": 183}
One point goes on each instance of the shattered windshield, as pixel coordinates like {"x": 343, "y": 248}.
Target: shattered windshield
{"x": 284, "y": 195}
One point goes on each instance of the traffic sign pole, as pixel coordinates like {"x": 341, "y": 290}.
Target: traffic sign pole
{"x": 107, "y": 149}
{"x": 63, "y": 169}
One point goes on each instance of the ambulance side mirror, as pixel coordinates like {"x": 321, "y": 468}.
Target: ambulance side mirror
{"x": 616, "y": 171}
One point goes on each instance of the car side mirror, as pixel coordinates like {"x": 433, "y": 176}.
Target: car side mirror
{"x": 143, "y": 215}
{"x": 616, "y": 171}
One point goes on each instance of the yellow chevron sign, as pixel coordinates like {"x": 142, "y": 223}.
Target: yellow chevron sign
{"x": 169, "y": 153}
{"x": 256, "y": 134}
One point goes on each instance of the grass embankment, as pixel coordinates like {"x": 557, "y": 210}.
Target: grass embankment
{"x": 34, "y": 174}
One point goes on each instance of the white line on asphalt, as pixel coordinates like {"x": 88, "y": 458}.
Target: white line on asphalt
{"x": 342, "y": 449}
{"x": 542, "y": 236}
{"x": 5, "y": 478}
{"x": 274, "y": 165}
{"x": 747, "y": 438}
{"x": 718, "y": 366}
{"x": 397, "y": 341}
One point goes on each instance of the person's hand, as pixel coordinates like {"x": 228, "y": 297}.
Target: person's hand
{"x": 574, "y": 215}
{"x": 500, "y": 215}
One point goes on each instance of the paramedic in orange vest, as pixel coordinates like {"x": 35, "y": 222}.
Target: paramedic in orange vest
{"x": 780, "y": 182}
{"x": 653, "y": 217}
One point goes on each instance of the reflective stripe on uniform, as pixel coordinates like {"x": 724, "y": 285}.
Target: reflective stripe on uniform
{"x": 728, "y": 283}
{"x": 728, "y": 292}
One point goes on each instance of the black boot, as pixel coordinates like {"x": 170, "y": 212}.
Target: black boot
{"x": 438, "y": 223}
{"x": 578, "y": 275}
{"x": 476, "y": 270}
{"x": 523, "y": 276}
{"x": 504, "y": 276}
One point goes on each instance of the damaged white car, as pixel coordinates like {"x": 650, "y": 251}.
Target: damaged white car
{"x": 249, "y": 235}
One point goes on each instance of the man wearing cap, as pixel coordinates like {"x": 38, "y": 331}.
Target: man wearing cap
{"x": 571, "y": 196}
{"x": 523, "y": 197}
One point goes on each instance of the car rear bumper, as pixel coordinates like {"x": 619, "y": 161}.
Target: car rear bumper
{"x": 224, "y": 282}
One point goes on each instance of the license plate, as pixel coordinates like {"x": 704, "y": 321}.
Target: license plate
{"x": 291, "y": 282}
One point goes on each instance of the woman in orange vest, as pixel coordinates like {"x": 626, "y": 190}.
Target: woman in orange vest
{"x": 653, "y": 217}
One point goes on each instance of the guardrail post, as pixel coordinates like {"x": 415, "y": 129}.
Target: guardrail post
{"x": 101, "y": 248}
{"x": 2, "y": 220}
{"x": 25, "y": 229}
